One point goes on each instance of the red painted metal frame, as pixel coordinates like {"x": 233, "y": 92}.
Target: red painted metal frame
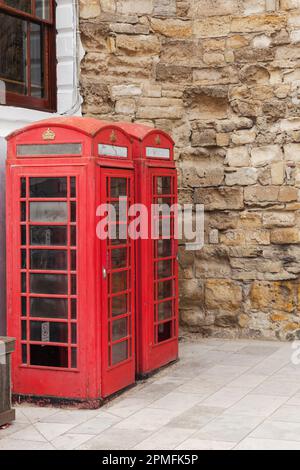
{"x": 92, "y": 379}
{"x": 150, "y": 354}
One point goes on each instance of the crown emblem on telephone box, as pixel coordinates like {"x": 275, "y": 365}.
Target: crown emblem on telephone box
{"x": 48, "y": 134}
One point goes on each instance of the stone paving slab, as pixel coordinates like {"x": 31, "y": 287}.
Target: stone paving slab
{"x": 222, "y": 394}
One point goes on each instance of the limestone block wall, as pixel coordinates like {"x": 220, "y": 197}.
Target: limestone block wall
{"x": 224, "y": 78}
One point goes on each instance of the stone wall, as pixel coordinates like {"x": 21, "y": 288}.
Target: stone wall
{"x": 224, "y": 78}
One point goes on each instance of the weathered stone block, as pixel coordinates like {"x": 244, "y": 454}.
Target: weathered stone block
{"x": 133, "y": 7}
{"x": 285, "y": 236}
{"x": 292, "y": 152}
{"x": 273, "y": 295}
{"x": 164, "y": 8}
{"x": 138, "y": 45}
{"x": 288, "y": 194}
{"x": 261, "y": 156}
{"x": 89, "y": 8}
{"x": 211, "y": 27}
{"x": 278, "y": 219}
{"x": 220, "y": 198}
{"x": 172, "y": 28}
{"x": 242, "y": 177}
{"x": 223, "y": 295}
{"x": 257, "y": 23}
{"x": 238, "y": 156}
{"x": 261, "y": 195}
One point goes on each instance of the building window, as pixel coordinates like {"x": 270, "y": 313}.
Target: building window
{"x": 27, "y": 54}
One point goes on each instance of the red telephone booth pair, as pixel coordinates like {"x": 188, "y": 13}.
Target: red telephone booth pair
{"x": 89, "y": 314}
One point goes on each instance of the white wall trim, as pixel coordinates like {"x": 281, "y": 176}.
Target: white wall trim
{"x": 69, "y": 53}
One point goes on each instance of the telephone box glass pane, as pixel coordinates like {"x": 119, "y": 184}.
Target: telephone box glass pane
{"x": 23, "y": 234}
{"x": 23, "y": 211}
{"x": 48, "y": 212}
{"x": 119, "y": 258}
{"x": 164, "y": 290}
{"x": 119, "y": 305}
{"x": 164, "y": 248}
{"x": 49, "y": 332}
{"x": 118, "y": 187}
{"x": 48, "y": 187}
{"x": 47, "y": 235}
{"x": 164, "y": 268}
{"x": 119, "y": 352}
{"x": 48, "y": 283}
{"x": 165, "y": 310}
{"x": 49, "y": 356}
{"x": 164, "y": 331}
{"x": 119, "y": 329}
{"x": 45, "y": 307}
{"x": 164, "y": 185}
{"x": 48, "y": 259}
{"x": 119, "y": 282}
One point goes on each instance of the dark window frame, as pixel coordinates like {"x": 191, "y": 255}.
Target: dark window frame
{"x": 49, "y": 102}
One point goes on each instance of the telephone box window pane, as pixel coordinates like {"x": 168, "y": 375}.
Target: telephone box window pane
{"x": 48, "y": 187}
{"x": 42, "y": 9}
{"x": 164, "y": 248}
{"x": 13, "y": 40}
{"x": 74, "y": 333}
{"x": 48, "y": 259}
{"x": 119, "y": 305}
{"x": 119, "y": 329}
{"x": 74, "y": 358}
{"x": 164, "y": 269}
{"x": 119, "y": 352}
{"x": 49, "y": 332}
{"x": 23, "y": 259}
{"x": 164, "y": 332}
{"x": 73, "y": 309}
{"x": 165, "y": 310}
{"x": 73, "y": 260}
{"x": 119, "y": 258}
{"x": 73, "y": 236}
{"x": 163, "y": 185}
{"x": 73, "y": 186}
{"x": 118, "y": 187}
{"x": 47, "y": 235}
{"x": 24, "y": 306}
{"x": 119, "y": 282}
{"x": 23, "y": 187}
{"x": 48, "y": 308}
{"x": 26, "y": 150}
{"x": 23, "y": 211}
{"x": 23, "y": 235}
{"x": 23, "y": 283}
{"x": 48, "y": 356}
{"x": 48, "y": 212}
{"x": 24, "y": 354}
{"x": 164, "y": 290}
{"x": 73, "y": 211}
{"x": 73, "y": 284}
{"x": 24, "y": 330}
{"x": 48, "y": 283}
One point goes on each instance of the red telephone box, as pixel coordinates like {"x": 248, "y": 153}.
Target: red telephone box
{"x": 157, "y": 265}
{"x": 70, "y": 296}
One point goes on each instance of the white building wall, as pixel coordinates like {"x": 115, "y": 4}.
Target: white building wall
{"x": 69, "y": 53}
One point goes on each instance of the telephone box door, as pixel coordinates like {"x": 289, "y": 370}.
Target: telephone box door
{"x": 118, "y": 292}
{"x": 163, "y": 321}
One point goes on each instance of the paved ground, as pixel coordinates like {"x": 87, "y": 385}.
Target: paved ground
{"x": 221, "y": 395}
